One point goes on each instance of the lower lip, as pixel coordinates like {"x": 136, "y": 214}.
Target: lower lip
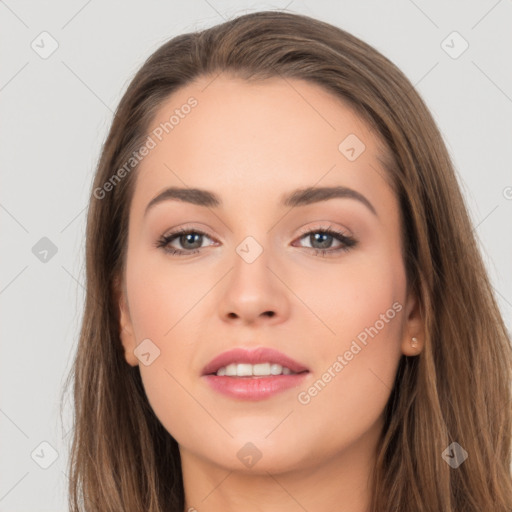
{"x": 254, "y": 388}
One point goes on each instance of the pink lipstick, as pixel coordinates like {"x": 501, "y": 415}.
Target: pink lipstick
{"x": 253, "y": 374}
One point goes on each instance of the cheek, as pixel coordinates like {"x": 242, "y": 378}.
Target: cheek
{"x": 356, "y": 363}
{"x": 161, "y": 296}
{"x": 164, "y": 304}
{"x": 356, "y": 366}
{"x": 361, "y": 299}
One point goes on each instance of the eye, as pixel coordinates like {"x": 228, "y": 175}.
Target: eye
{"x": 190, "y": 240}
{"x": 322, "y": 239}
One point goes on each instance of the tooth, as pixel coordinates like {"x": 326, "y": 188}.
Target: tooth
{"x": 276, "y": 369}
{"x": 231, "y": 370}
{"x": 243, "y": 370}
{"x": 250, "y": 370}
{"x": 261, "y": 369}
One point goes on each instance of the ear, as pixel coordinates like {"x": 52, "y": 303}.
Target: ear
{"x": 126, "y": 333}
{"x": 414, "y": 327}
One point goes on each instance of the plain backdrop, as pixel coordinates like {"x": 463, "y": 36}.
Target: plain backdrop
{"x": 55, "y": 112}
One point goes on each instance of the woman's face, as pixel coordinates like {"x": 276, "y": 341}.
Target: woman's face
{"x": 253, "y": 274}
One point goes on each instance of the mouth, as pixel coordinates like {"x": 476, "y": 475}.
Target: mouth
{"x": 262, "y": 361}
{"x": 253, "y": 375}
{"x": 247, "y": 370}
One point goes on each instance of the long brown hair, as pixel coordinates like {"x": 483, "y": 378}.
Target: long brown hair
{"x": 458, "y": 388}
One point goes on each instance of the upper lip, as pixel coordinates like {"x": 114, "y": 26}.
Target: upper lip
{"x": 258, "y": 355}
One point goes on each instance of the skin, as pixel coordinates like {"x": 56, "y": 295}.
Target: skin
{"x": 250, "y": 143}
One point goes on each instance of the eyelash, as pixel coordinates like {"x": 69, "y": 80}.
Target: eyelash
{"x": 348, "y": 242}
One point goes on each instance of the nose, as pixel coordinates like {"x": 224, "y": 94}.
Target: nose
{"x": 254, "y": 293}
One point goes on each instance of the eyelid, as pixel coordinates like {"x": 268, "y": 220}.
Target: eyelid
{"x": 324, "y": 226}
{"x": 188, "y": 229}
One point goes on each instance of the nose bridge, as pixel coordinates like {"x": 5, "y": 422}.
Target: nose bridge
{"x": 251, "y": 263}
{"x": 251, "y": 231}
{"x": 257, "y": 245}
{"x": 250, "y": 249}
{"x": 252, "y": 289}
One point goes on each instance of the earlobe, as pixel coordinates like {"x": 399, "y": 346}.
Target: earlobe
{"x": 126, "y": 333}
{"x": 414, "y": 333}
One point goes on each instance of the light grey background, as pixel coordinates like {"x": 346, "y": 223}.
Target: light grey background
{"x": 55, "y": 116}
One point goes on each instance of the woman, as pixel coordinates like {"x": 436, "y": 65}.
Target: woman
{"x": 330, "y": 339}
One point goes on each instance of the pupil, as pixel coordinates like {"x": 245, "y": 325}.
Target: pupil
{"x": 186, "y": 238}
{"x": 325, "y": 244}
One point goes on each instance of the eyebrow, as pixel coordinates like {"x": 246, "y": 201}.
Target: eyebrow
{"x": 299, "y": 197}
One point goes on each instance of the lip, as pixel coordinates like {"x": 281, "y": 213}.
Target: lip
{"x": 253, "y": 388}
{"x": 258, "y": 355}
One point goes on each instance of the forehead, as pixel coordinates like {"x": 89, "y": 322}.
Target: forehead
{"x": 258, "y": 140}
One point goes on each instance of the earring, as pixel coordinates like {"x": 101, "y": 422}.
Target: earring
{"x": 414, "y": 342}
